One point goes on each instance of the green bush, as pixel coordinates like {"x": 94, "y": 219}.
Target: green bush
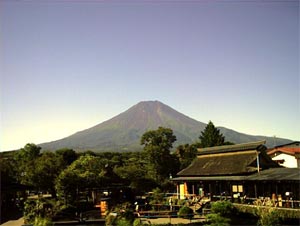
{"x": 215, "y": 219}
{"x": 39, "y": 208}
{"x": 268, "y": 217}
{"x": 221, "y": 211}
{"x": 137, "y": 222}
{"x": 39, "y": 221}
{"x": 30, "y": 211}
{"x": 224, "y": 208}
{"x": 110, "y": 219}
{"x": 186, "y": 212}
{"x": 121, "y": 215}
{"x": 123, "y": 222}
{"x": 157, "y": 196}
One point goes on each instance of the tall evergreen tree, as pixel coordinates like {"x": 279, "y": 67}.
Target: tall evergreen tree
{"x": 211, "y": 136}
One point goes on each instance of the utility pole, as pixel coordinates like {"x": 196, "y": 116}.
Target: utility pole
{"x": 274, "y": 140}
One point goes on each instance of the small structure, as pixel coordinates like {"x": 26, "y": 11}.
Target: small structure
{"x": 287, "y": 155}
{"x": 242, "y": 171}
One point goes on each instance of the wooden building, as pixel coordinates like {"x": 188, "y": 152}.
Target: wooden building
{"x": 287, "y": 155}
{"x": 237, "y": 171}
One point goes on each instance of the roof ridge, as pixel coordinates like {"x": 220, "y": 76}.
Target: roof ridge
{"x": 209, "y": 155}
{"x": 229, "y": 148}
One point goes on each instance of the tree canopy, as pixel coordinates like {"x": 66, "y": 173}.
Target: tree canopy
{"x": 211, "y": 136}
{"x": 186, "y": 154}
{"x": 157, "y": 145}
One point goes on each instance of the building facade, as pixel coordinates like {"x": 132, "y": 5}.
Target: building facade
{"x": 287, "y": 155}
{"x": 237, "y": 171}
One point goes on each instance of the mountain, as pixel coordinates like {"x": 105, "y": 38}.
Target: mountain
{"x": 123, "y": 132}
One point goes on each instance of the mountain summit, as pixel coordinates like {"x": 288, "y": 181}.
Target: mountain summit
{"x": 123, "y": 132}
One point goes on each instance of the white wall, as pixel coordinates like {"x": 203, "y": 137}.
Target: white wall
{"x": 289, "y": 160}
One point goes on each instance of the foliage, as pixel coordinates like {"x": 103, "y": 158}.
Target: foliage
{"x": 138, "y": 222}
{"x": 7, "y": 171}
{"x": 121, "y": 215}
{"x": 282, "y": 213}
{"x": 29, "y": 152}
{"x": 186, "y": 212}
{"x": 162, "y": 137}
{"x": 68, "y": 155}
{"x": 36, "y": 169}
{"x": 186, "y": 154}
{"x": 215, "y": 219}
{"x": 157, "y": 196}
{"x": 211, "y": 136}
{"x": 47, "y": 168}
{"x": 86, "y": 172}
{"x": 157, "y": 146}
{"x": 267, "y": 216}
{"x": 40, "y": 221}
{"x": 25, "y": 158}
{"x": 40, "y": 209}
{"x": 110, "y": 219}
{"x": 124, "y": 222}
{"x": 224, "y": 208}
{"x": 134, "y": 171}
{"x": 221, "y": 211}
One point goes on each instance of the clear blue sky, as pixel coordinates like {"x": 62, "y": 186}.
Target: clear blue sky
{"x": 68, "y": 65}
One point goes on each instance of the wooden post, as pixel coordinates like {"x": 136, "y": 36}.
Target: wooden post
{"x": 257, "y": 161}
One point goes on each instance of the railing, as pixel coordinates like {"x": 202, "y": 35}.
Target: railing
{"x": 282, "y": 212}
{"x": 262, "y": 201}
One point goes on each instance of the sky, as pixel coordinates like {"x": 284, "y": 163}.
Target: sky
{"x": 66, "y": 66}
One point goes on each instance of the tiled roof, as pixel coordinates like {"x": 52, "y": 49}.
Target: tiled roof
{"x": 279, "y": 174}
{"x": 292, "y": 144}
{"x": 286, "y": 150}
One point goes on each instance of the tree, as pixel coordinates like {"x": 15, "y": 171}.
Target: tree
{"x": 25, "y": 159}
{"x": 68, "y": 155}
{"x": 47, "y": 168}
{"x": 186, "y": 154}
{"x": 157, "y": 145}
{"x": 211, "y": 136}
{"x": 85, "y": 173}
{"x": 29, "y": 152}
{"x": 134, "y": 171}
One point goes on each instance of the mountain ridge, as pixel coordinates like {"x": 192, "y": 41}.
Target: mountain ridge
{"x": 123, "y": 131}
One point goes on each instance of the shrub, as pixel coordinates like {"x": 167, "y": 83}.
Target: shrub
{"x": 123, "y": 222}
{"x": 216, "y": 219}
{"x": 186, "y": 212}
{"x": 39, "y": 221}
{"x": 110, "y": 219}
{"x": 224, "y": 208}
{"x": 157, "y": 196}
{"x": 137, "y": 222}
{"x": 267, "y": 217}
{"x": 121, "y": 215}
{"x": 39, "y": 208}
{"x": 221, "y": 210}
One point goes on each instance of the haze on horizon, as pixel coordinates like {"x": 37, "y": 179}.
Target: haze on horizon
{"x": 68, "y": 65}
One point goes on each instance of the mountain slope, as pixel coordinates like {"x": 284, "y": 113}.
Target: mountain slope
{"x": 123, "y": 132}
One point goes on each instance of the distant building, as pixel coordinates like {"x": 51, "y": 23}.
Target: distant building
{"x": 287, "y": 155}
{"x": 242, "y": 170}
